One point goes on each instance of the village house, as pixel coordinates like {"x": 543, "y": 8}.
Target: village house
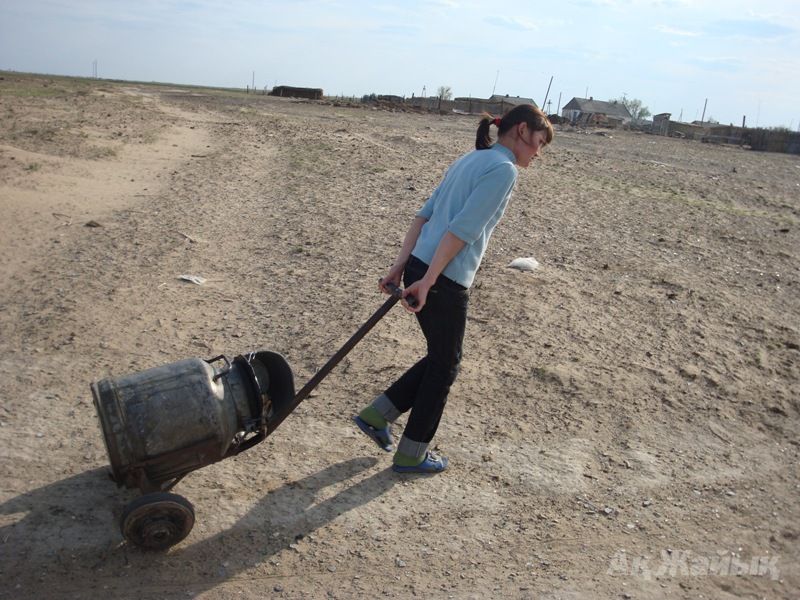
{"x": 512, "y": 100}
{"x": 496, "y": 104}
{"x": 661, "y": 123}
{"x": 588, "y": 111}
{"x": 288, "y": 91}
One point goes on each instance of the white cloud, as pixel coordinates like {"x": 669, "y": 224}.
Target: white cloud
{"x": 718, "y": 63}
{"x": 749, "y": 29}
{"x": 627, "y": 4}
{"x": 518, "y": 23}
{"x": 667, "y": 30}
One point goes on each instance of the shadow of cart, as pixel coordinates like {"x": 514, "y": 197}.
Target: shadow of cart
{"x": 56, "y": 541}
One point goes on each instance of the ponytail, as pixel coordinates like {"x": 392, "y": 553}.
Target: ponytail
{"x": 523, "y": 113}
{"x": 482, "y": 139}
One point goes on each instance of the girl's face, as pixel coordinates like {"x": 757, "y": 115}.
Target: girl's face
{"x": 528, "y": 144}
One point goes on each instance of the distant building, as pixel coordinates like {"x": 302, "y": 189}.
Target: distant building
{"x": 287, "y": 91}
{"x": 512, "y": 100}
{"x": 495, "y": 105}
{"x": 588, "y": 111}
{"x": 661, "y": 123}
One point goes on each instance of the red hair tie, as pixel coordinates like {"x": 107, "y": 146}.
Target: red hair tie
{"x": 496, "y": 122}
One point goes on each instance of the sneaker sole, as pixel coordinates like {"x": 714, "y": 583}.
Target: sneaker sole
{"x": 419, "y": 469}
{"x": 369, "y": 431}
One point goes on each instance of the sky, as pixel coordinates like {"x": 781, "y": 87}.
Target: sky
{"x": 743, "y": 57}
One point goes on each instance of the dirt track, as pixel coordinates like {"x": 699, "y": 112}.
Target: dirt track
{"x": 625, "y": 424}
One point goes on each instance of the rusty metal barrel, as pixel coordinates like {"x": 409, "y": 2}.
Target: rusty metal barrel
{"x": 162, "y": 423}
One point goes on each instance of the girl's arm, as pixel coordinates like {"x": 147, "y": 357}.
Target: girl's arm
{"x": 448, "y": 247}
{"x": 396, "y": 272}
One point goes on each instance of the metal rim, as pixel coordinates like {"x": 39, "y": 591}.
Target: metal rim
{"x": 157, "y": 521}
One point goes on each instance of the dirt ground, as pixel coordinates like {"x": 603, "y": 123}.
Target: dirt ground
{"x": 625, "y": 424}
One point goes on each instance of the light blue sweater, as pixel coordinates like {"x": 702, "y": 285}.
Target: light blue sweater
{"x": 468, "y": 203}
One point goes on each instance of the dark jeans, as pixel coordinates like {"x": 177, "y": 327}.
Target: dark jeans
{"x": 424, "y": 387}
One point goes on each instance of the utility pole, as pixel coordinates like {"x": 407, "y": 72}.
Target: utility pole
{"x": 254, "y": 82}
{"x": 703, "y": 118}
{"x": 558, "y": 108}
{"x": 548, "y": 90}
{"x": 494, "y": 87}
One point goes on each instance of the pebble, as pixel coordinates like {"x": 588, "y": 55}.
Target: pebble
{"x": 400, "y": 563}
{"x": 647, "y": 502}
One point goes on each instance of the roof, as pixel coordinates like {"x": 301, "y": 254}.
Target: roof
{"x": 515, "y": 100}
{"x": 590, "y": 105}
{"x": 291, "y": 88}
{"x": 497, "y": 99}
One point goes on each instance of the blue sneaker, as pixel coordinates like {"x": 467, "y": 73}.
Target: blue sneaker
{"x": 382, "y": 437}
{"x": 432, "y": 463}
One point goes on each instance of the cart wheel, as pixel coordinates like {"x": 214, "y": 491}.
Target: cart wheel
{"x": 157, "y": 521}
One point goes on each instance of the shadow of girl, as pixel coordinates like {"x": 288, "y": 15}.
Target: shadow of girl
{"x": 67, "y": 539}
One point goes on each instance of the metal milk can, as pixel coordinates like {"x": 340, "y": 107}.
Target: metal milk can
{"x": 162, "y": 423}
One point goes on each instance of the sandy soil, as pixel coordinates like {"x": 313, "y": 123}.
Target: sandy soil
{"x": 625, "y": 424}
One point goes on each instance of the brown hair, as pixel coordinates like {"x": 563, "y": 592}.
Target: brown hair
{"x": 524, "y": 113}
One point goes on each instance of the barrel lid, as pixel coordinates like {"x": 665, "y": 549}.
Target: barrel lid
{"x": 280, "y": 384}
{"x": 111, "y": 424}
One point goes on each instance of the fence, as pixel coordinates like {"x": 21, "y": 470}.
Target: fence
{"x": 765, "y": 140}
{"x": 773, "y": 140}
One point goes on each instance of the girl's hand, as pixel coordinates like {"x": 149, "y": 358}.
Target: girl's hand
{"x": 394, "y": 276}
{"x": 419, "y": 290}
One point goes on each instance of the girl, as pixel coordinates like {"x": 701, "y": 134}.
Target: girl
{"x": 440, "y": 254}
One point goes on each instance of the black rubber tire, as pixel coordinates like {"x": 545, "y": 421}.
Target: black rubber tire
{"x": 157, "y": 521}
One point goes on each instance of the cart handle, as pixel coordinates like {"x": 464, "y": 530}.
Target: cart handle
{"x": 397, "y": 292}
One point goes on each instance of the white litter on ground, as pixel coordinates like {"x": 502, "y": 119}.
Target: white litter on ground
{"x": 193, "y": 279}
{"x": 524, "y": 264}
